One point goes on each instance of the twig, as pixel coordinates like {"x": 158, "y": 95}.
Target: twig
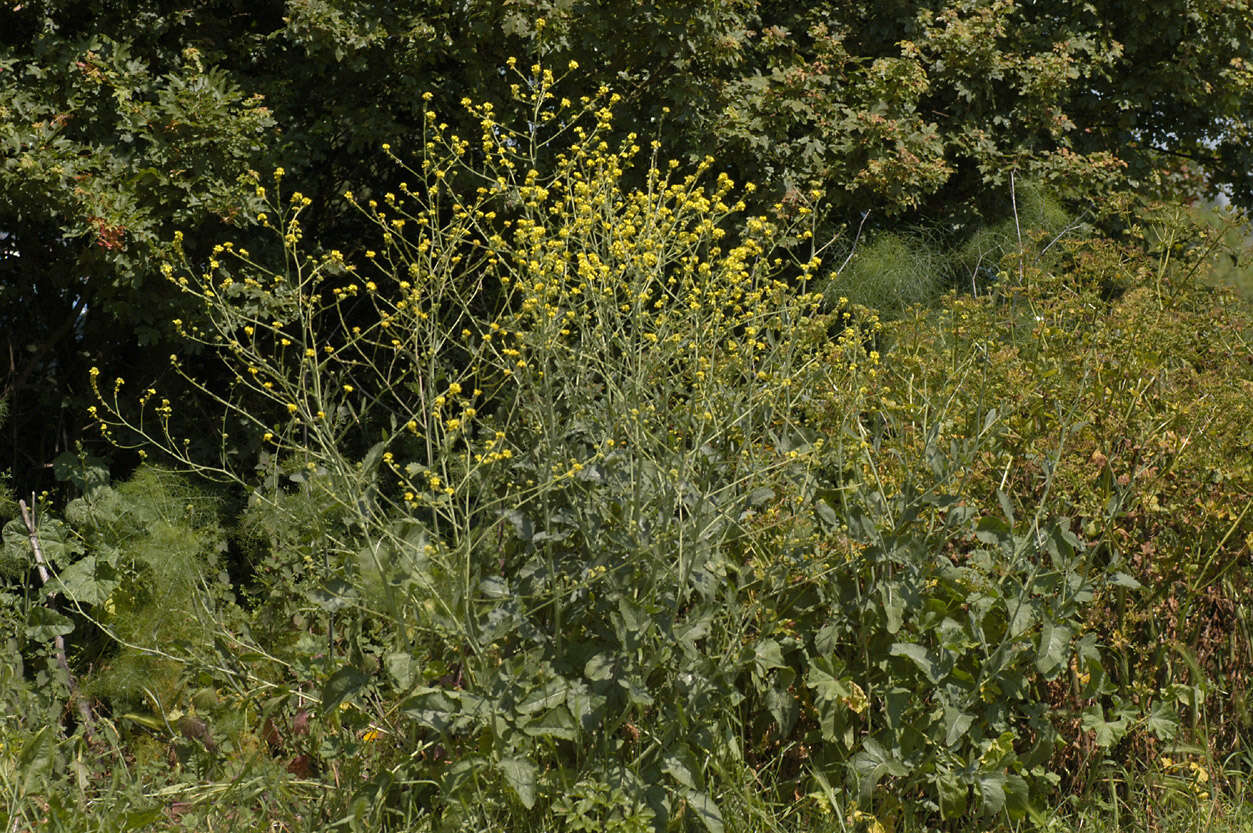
{"x": 864, "y": 215}
{"x": 28, "y": 517}
{"x": 1013, "y": 198}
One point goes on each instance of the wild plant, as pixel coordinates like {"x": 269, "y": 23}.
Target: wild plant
{"x": 577, "y": 491}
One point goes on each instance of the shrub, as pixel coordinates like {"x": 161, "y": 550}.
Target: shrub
{"x": 1120, "y": 392}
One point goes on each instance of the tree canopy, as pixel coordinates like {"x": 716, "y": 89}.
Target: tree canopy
{"x": 122, "y": 122}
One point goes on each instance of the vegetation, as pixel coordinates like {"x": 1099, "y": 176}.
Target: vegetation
{"x": 803, "y": 419}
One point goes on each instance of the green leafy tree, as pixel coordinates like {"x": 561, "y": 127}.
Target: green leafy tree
{"x": 124, "y": 121}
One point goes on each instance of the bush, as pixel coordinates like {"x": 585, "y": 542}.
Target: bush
{"x": 1117, "y": 387}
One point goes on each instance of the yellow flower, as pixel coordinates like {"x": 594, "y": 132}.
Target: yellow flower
{"x": 291, "y": 408}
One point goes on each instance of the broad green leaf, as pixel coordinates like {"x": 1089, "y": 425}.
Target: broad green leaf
{"x": 1106, "y": 733}
{"x": 557, "y": 723}
{"x": 996, "y": 532}
{"x": 344, "y": 683}
{"x": 896, "y": 703}
{"x": 782, "y": 706}
{"x": 637, "y": 693}
{"x": 893, "y": 606}
{"x": 586, "y": 707}
{"x": 992, "y": 792}
{"x": 35, "y": 761}
{"x": 956, "y": 724}
{"x": 400, "y": 666}
{"x": 825, "y": 513}
{"x": 706, "y": 810}
{"x": 1017, "y": 796}
{"x": 767, "y": 654}
{"x": 1054, "y": 643}
{"x": 874, "y": 762}
{"x": 1121, "y": 579}
{"x": 552, "y": 693}
{"x": 520, "y": 775}
{"x": 678, "y": 765}
{"x": 822, "y": 681}
{"x": 1021, "y": 618}
{"x": 44, "y": 624}
{"x": 599, "y": 668}
{"x": 89, "y": 581}
{"x": 928, "y": 662}
{"x": 334, "y": 595}
{"x": 954, "y": 795}
{"x": 437, "y": 709}
{"x": 760, "y": 496}
{"x": 1163, "y": 720}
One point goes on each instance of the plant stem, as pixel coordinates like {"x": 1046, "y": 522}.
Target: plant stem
{"x": 28, "y": 517}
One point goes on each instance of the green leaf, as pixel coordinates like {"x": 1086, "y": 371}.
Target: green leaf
{"x": 520, "y": 775}
{"x": 557, "y": 723}
{"x": 44, "y": 624}
{"x": 142, "y": 819}
{"x": 760, "y": 496}
{"x": 1007, "y": 505}
{"x": 1106, "y": 733}
{"x": 706, "y": 810}
{"x": 893, "y": 606}
{"x": 400, "y": 666}
{"x": 954, "y": 795}
{"x": 931, "y": 664}
{"x": 957, "y": 723}
{"x": 1121, "y": 579}
{"x": 36, "y": 760}
{"x": 873, "y": 762}
{"x": 89, "y": 581}
{"x": 586, "y": 707}
{"x": 599, "y": 668}
{"x": 334, "y": 595}
{"x": 1163, "y": 720}
{"x": 1054, "y": 642}
{"x": 782, "y": 706}
{"x": 1022, "y": 618}
{"x": 552, "y": 693}
{"x": 992, "y": 792}
{"x": 678, "y": 765}
{"x": 1017, "y": 796}
{"x": 437, "y": 709}
{"x": 767, "y": 654}
{"x": 344, "y": 683}
{"x": 825, "y": 513}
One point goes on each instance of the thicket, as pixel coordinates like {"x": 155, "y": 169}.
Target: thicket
{"x": 586, "y": 497}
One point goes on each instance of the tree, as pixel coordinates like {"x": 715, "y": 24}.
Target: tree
{"x": 124, "y": 121}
